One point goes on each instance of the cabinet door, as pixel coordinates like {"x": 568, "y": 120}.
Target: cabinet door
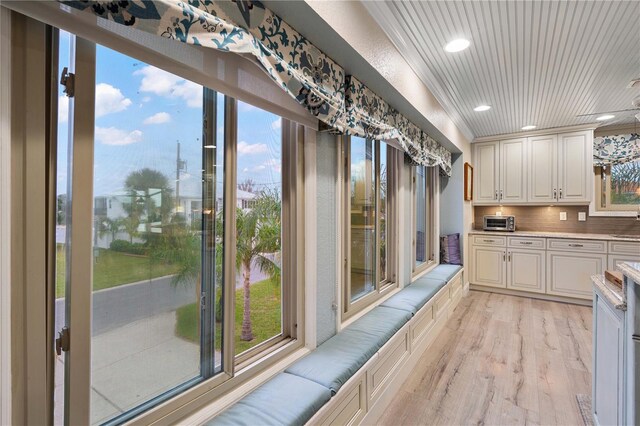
{"x": 542, "y": 169}
{"x": 616, "y": 259}
{"x": 486, "y": 172}
{"x": 526, "y": 270}
{"x": 569, "y": 274}
{"x": 489, "y": 267}
{"x": 608, "y": 383}
{"x": 575, "y": 167}
{"x": 513, "y": 171}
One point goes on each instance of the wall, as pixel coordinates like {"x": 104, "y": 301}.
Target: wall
{"x": 547, "y": 218}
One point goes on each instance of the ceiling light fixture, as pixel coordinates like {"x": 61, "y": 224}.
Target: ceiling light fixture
{"x": 605, "y": 117}
{"x": 481, "y": 108}
{"x": 457, "y": 45}
{"x": 529, "y": 127}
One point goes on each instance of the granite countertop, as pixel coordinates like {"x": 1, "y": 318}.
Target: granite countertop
{"x": 568, "y": 235}
{"x": 631, "y": 270}
{"x": 614, "y": 294}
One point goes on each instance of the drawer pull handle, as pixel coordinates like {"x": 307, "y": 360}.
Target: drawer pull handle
{"x": 489, "y": 241}
{"x": 528, "y": 243}
{"x": 576, "y": 245}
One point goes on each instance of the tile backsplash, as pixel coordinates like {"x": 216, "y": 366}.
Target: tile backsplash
{"x": 547, "y": 218}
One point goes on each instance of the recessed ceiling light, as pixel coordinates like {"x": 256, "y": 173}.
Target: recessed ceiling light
{"x": 529, "y": 127}
{"x": 605, "y": 117}
{"x": 457, "y": 45}
{"x": 481, "y": 108}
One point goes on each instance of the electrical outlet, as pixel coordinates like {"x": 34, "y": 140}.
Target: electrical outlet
{"x": 563, "y": 215}
{"x": 498, "y": 213}
{"x": 582, "y": 216}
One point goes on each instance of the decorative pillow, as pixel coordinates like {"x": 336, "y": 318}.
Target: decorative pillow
{"x": 450, "y": 249}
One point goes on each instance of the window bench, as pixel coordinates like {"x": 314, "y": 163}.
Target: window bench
{"x": 355, "y": 373}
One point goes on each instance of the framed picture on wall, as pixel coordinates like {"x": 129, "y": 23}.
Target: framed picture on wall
{"x": 468, "y": 182}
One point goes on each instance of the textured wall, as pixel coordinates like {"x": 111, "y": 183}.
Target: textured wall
{"x": 543, "y": 218}
{"x": 326, "y": 152}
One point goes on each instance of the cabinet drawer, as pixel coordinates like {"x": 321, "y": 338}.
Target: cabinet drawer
{"x": 526, "y": 242}
{"x": 624, "y": 247}
{"x": 390, "y": 360}
{"x": 587, "y": 246}
{"x": 489, "y": 240}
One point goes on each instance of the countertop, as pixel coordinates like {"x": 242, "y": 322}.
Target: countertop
{"x": 568, "y": 235}
{"x": 631, "y": 270}
{"x": 614, "y": 294}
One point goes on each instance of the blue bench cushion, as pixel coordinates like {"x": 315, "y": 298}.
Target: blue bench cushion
{"x": 337, "y": 359}
{"x": 412, "y": 298}
{"x": 284, "y": 400}
{"x": 445, "y": 272}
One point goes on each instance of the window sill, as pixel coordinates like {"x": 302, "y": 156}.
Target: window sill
{"x": 613, "y": 213}
{"x": 385, "y": 294}
{"x": 424, "y": 270}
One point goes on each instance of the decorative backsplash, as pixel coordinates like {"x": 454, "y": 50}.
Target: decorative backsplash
{"x": 547, "y": 218}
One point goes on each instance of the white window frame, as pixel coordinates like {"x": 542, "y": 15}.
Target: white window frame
{"x": 79, "y": 361}
{"x": 596, "y": 207}
{"x": 431, "y": 187}
{"x": 382, "y": 288}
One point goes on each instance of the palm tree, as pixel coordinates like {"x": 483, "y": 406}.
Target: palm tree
{"x": 258, "y": 238}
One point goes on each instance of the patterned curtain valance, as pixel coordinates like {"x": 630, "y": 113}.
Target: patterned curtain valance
{"x": 369, "y": 116}
{"x": 618, "y": 149}
{"x": 298, "y": 67}
{"x": 303, "y": 71}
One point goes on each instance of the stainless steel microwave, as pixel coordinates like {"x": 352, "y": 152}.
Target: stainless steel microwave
{"x": 499, "y": 223}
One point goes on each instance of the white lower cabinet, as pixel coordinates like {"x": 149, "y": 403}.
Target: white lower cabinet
{"x": 569, "y": 273}
{"x": 526, "y": 270}
{"x": 608, "y": 365}
{"x": 489, "y": 266}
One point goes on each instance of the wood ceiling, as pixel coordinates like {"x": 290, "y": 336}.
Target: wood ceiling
{"x": 542, "y": 63}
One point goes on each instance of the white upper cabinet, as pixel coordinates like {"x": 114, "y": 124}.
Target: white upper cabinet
{"x": 513, "y": 171}
{"x": 500, "y": 172}
{"x": 575, "y": 152}
{"x": 544, "y": 169}
{"x": 486, "y": 172}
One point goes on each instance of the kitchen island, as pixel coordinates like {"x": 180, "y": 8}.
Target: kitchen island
{"x": 616, "y": 348}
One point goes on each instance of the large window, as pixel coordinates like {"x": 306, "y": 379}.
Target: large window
{"x": 369, "y": 226}
{"x": 423, "y": 218}
{"x": 192, "y": 276}
{"x": 618, "y": 187}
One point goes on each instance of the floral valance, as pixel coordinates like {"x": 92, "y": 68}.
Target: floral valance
{"x": 618, "y": 149}
{"x": 303, "y": 71}
{"x": 369, "y": 116}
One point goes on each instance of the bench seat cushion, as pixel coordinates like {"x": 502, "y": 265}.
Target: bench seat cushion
{"x": 413, "y": 297}
{"x": 284, "y": 400}
{"x": 339, "y": 358}
{"x": 445, "y": 272}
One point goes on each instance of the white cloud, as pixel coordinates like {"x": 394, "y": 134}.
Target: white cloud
{"x": 109, "y": 99}
{"x": 259, "y": 168}
{"x": 277, "y": 124}
{"x": 113, "y": 136}
{"x": 63, "y": 109}
{"x": 164, "y": 84}
{"x": 159, "y": 118}
{"x": 274, "y": 164}
{"x": 245, "y": 148}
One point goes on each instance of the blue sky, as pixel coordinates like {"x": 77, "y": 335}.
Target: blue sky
{"x": 141, "y": 114}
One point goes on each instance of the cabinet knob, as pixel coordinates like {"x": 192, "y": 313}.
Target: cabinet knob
{"x": 496, "y": 196}
{"x": 555, "y": 194}
{"x": 560, "y": 193}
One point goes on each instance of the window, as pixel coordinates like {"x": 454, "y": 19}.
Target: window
{"x": 193, "y": 277}
{"x": 423, "y": 218}
{"x": 618, "y": 187}
{"x": 369, "y": 254}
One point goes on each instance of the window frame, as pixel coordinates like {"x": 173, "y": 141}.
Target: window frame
{"x": 382, "y": 288}
{"x": 235, "y": 370}
{"x": 431, "y": 177}
{"x": 599, "y": 171}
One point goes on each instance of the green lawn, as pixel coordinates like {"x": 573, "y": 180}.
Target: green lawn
{"x": 113, "y": 269}
{"x": 265, "y": 317}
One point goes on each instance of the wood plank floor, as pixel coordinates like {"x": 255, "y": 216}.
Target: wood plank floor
{"x": 501, "y": 360}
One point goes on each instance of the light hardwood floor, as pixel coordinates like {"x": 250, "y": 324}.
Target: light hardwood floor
{"x": 501, "y": 360}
